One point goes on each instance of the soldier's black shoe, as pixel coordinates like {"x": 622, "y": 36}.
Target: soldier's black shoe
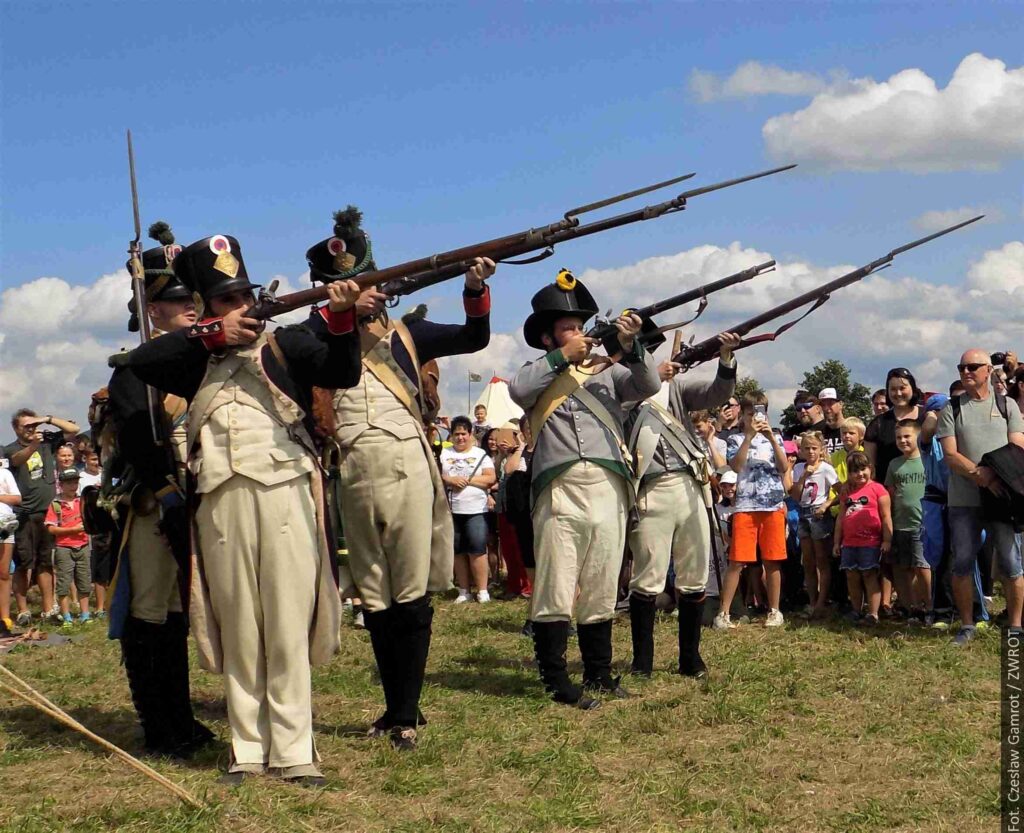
{"x": 609, "y": 686}
{"x": 691, "y": 615}
{"x": 642, "y": 610}
{"x": 233, "y": 779}
{"x": 403, "y": 738}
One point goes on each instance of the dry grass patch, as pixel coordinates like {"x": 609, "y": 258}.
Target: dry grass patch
{"x": 798, "y": 729}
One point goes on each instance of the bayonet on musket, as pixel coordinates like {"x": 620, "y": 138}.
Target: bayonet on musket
{"x": 139, "y": 295}
{"x": 692, "y": 355}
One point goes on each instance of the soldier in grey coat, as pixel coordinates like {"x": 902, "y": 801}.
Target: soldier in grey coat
{"x": 672, "y": 481}
{"x": 580, "y": 480}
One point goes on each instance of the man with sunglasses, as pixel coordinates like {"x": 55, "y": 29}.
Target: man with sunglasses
{"x": 729, "y": 419}
{"x": 970, "y": 426}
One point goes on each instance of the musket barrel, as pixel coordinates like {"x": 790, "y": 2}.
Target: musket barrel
{"x": 704, "y": 350}
{"x": 428, "y": 269}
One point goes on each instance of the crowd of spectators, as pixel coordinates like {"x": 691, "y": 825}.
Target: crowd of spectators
{"x": 905, "y": 517}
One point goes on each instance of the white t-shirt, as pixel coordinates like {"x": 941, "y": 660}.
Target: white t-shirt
{"x": 86, "y": 479}
{"x": 818, "y": 485}
{"x": 472, "y": 500}
{"x": 8, "y": 486}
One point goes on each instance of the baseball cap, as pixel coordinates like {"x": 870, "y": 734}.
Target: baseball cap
{"x": 727, "y": 477}
{"x": 828, "y": 393}
{"x": 68, "y": 474}
{"x": 936, "y": 402}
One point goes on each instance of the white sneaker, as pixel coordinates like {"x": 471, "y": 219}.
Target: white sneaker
{"x": 483, "y": 597}
{"x": 722, "y": 622}
{"x": 358, "y": 621}
{"x": 774, "y": 619}
{"x": 463, "y": 597}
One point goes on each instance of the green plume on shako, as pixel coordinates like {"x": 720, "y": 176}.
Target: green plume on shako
{"x": 161, "y": 233}
{"x": 348, "y": 223}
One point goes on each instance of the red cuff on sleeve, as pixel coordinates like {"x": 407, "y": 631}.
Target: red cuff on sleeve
{"x": 339, "y": 323}
{"x": 210, "y": 331}
{"x": 477, "y": 307}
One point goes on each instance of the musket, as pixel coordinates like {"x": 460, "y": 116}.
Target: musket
{"x": 692, "y": 355}
{"x": 139, "y": 294}
{"x": 606, "y": 329}
{"x": 414, "y": 275}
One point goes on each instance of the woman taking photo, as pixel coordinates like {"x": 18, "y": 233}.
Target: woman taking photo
{"x": 468, "y": 473}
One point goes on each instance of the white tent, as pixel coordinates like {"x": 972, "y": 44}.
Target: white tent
{"x": 499, "y": 405}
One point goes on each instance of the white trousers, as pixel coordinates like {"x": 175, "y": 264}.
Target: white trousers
{"x": 153, "y": 571}
{"x": 673, "y": 524}
{"x": 579, "y": 527}
{"x": 259, "y": 551}
{"x": 387, "y": 508}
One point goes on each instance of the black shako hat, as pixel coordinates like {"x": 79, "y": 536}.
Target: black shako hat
{"x": 213, "y": 266}
{"x": 566, "y": 296}
{"x": 161, "y": 284}
{"x": 344, "y": 255}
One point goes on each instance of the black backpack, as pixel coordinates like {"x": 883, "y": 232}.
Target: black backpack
{"x": 1000, "y": 404}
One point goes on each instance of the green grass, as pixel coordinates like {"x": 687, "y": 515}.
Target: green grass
{"x": 798, "y": 729}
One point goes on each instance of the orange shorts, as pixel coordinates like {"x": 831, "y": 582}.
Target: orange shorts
{"x": 751, "y": 530}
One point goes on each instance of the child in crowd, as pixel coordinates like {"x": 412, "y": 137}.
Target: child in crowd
{"x": 863, "y": 534}
{"x": 813, "y": 482}
{"x": 759, "y": 520}
{"x": 906, "y": 484}
{"x": 71, "y": 556}
{"x": 851, "y": 432}
{"x": 724, "y": 510}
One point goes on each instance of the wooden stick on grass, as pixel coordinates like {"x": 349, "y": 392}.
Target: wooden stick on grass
{"x": 34, "y": 698}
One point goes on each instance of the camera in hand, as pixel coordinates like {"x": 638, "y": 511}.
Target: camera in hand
{"x": 998, "y": 359}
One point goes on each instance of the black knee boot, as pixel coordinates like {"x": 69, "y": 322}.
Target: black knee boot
{"x": 411, "y": 644}
{"x": 380, "y": 625}
{"x": 641, "y": 621}
{"x": 596, "y": 650}
{"x": 691, "y": 614}
{"x": 185, "y": 734}
{"x": 140, "y": 651}
{"x": 549, "y": 642}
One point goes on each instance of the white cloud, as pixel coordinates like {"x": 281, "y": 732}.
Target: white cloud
{"x": 754, "y": 78}
{"x": 938, "y": 220}
{"x": 999, "y": 269}
{"x": 909, "y": 123}
{"x": 885, "y": 320}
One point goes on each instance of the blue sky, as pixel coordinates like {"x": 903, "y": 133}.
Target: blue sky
{"x": 451, "y": 122}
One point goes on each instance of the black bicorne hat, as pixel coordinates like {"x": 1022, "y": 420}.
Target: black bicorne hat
{"x": 161, "y": 282}
{"x": 566, "y": 296}
{"x": 213, "y": 266}
{"x": 346, "y": 254}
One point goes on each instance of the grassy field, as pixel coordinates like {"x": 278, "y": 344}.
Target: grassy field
{"x": 804, "y": 728}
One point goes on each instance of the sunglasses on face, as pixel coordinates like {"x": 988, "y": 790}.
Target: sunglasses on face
{"x": 805, "y": 406}
{"x": 971, "y": 367}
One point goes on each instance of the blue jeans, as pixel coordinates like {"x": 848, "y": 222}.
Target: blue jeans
{"x": 966, "y": 525}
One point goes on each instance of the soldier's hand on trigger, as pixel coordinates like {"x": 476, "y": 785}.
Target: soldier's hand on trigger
{"x": 628, "y": 327}
{"x": 481, "y": 270}
{"x": 240, "y": 330}
{"x": 667, "y": 371}
{"x": 578, "y": 348}
{"x": 342, "y": 295}
{"x": 728, "y": 342}
{"x": 370, "y": 303}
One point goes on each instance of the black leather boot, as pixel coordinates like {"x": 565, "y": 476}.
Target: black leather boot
{"x": 596, "y": 650}
{"x": 380, "y": 625}
{"x": 691, "y": 613}
{"x": 411, "y": 644}
{"x": 186, "y": 735}
{"x": 549, "y": 642}
{"x": 140, "y": 651}
{"x": 641, "y": 621}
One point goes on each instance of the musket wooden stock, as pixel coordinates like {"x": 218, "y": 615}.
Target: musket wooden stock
{"x": 703, "y": 351}
{"x": 405, "y": 278}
